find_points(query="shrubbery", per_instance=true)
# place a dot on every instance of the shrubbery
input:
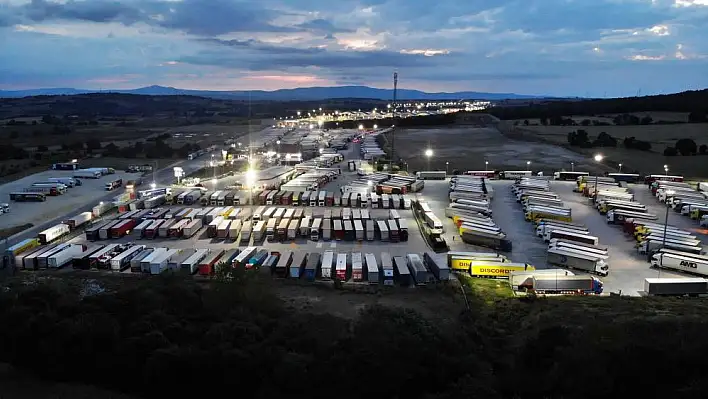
(168, 337)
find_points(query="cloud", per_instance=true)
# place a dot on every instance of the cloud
(555, 47)
(322, 25)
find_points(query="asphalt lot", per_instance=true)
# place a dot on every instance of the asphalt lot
(83, 204)
(92, 190)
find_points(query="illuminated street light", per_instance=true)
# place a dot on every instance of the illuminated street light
(376, 126)
(311, 126)
(214, 181)
(666, 168)
(620, 168)
(528, 165)
(388, 106)
(598, 158)
(486, 165)
(153, 185)
(298, 113)
(428, 154)
(321, 150)
(369, 183)
(361, 127)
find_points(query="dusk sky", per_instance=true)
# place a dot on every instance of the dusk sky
(547, 47)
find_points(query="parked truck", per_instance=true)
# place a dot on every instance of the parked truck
(675, 286)
(576, 260)
(487, 239)
(53, 233)
(112, 185)
(544, 284)
(79, 220)
(685, 262)
(431, 175)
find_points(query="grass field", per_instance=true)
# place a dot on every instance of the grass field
(651, 162)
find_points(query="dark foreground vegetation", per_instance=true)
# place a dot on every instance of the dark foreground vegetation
(168, 338)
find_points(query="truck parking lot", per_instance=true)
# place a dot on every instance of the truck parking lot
(89, 192)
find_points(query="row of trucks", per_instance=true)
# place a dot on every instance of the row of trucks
(163, 222)
(411, 269)
(432, 226)
(570, 245)
(353, 199)
(684, 199)
(469, 208)
(522, 276)
(93, 173)
(38, 191)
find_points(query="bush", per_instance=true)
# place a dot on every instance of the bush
(686, 147)
(670, 152)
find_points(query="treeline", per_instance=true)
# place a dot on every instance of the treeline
(167, 337)
(580, 138)
(694, 102)
(686, 147)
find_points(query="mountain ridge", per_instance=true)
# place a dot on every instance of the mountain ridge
(301, 93)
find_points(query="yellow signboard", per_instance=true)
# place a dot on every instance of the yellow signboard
(492, 269)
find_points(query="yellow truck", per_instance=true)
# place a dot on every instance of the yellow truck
(697, 213)
(534, 215)
(485, 268)
(461, 261)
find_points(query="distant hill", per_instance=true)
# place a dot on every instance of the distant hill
(692, 101)
(303, 93)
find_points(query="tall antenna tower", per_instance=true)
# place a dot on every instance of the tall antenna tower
(393, 124)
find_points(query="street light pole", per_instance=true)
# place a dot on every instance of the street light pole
(598, 158)
(620, 168)
(446, 169)
(486, 166)
(572, 166)
(666, 224)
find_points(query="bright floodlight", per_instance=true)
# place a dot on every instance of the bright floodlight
(100, 203)
(388, 105)
(250, 177)
(428, 153)
(311, 125)
(598, 158)
(277, 142)
(214, 181)
(528, 163)
(361, 127)
(369, 183)
(321, 150)
(74, 160)
(153, 185)
(486, 162)
(298, 113)
(376, 126)
(666, 166)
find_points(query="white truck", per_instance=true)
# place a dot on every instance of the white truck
(576, 260)
(61, 258)
(686, 263)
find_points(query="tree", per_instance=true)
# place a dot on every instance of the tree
(526, 122)
(686, 147)
(670, 152)
(93, 144)
(703, 149)
(646, 120)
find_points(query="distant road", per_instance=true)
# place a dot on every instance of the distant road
(164, 176)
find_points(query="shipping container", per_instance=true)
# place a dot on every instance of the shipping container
(283, 264)
(246, 230)
(122, 261)
(315, 229)
(53, 233)
(242, 259)
(82, 260)
(372, 268)
(235, 229)
(328, 259)
(313, 261)
(206, 266)
(401, 272)
(65, 256)
(297, 266)
(191, 264)
(386, 269)
(135, 262)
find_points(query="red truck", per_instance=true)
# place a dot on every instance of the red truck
(122, 228)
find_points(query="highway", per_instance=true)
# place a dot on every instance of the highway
(164, 176)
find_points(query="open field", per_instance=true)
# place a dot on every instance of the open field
(645, 162)
(467, 148)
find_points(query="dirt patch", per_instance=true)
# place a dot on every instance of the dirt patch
(11, 231)
(468, 148)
